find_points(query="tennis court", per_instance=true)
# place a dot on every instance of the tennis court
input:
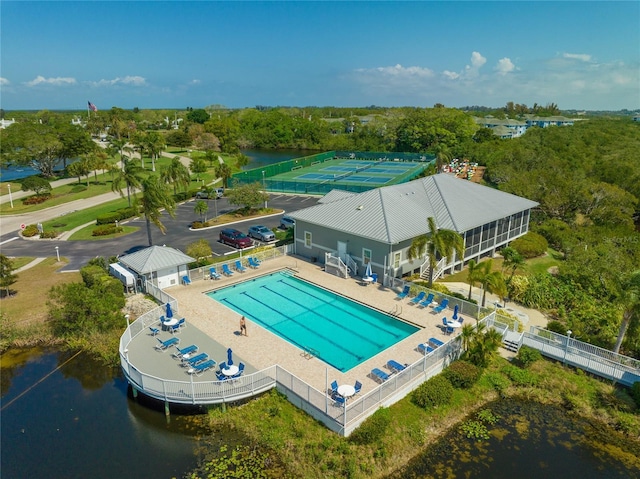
(319, 174)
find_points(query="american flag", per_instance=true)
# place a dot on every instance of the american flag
(92, 107)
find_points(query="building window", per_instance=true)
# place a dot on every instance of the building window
(307, 239)
(397, 256)
(366, 256)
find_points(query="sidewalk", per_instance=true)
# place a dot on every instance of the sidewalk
(528, 317)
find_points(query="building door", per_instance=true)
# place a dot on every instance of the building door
(342, 250)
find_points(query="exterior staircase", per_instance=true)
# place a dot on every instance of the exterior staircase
(512, 341)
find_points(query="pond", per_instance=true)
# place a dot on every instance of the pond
(69, 417)
(65, 416)
(530, 441)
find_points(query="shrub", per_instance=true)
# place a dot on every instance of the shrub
(527, 356)
(520, 377)
(78, 189)
(30, 231)
(35, 200)
(635, 392)
(530, 245)
(462, 374)
(435, 392)
(373, 429)
(108, 218)
(105, 230)
(197, 225)
(49, 234)
(557, 327)
(498, 381)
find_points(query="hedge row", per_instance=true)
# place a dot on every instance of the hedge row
(118, 215)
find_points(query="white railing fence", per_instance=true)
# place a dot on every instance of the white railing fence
(334, 265)
(351, 265)
(261, 254)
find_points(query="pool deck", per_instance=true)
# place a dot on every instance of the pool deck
(214, 328)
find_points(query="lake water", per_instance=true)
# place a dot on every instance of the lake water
(529, 441)
(69, 417)
(257, 158)
(76, 421)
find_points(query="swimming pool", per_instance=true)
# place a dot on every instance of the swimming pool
(337, 330)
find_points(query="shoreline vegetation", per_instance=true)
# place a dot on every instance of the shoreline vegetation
(278, 440)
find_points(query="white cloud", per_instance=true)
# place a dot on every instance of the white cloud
(128, 80)
(399, 71)
(4, 81)
(577, 56)
(504, 66)
(569, 82)
(477, 60)
(195, 82)
(40, 80)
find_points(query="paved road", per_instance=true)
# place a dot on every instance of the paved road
(178, 233)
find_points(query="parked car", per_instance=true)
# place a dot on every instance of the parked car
(261, 233)
(286, 222)
(235, 238)
(214, 193)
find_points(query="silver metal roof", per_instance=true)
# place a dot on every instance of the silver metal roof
(397, 213)
(155, 258)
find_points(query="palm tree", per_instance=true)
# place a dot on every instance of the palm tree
(629, 301)
(99, 162)
(473, 274)
(513, 261)
(466, 335)
(222, 170)
(155, 197)
(443, 243)
(201, 207)
(483, 346)
(155, 144)
(176, 173)
(139, 141)
(130, 175)
(492, 281)
(117, 145)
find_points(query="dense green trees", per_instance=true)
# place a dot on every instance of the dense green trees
(44, 146)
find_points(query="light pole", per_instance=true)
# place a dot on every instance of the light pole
(11, 198)
(264, 189)
(58, 254)
(566, 347)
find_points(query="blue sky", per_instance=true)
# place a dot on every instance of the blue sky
(579, 55)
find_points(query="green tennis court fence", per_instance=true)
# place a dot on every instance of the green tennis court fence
(256, 174)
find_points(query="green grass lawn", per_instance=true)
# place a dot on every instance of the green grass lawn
(85, 233)
(534, 266)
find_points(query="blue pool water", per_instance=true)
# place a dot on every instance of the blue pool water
(341, 332)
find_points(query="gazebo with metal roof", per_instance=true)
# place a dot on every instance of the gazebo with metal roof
(160, 265)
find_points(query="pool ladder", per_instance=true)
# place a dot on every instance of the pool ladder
(309, 353)
(396, 311)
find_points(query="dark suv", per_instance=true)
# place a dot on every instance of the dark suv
(235, 238)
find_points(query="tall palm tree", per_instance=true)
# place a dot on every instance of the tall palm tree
(629, 301)
(222, 170)
(437, 243)
(201, 207)
(492, 281)
(155, 197)
(130, 175)
(155, 143)
(473, 274)
(513, 261)
(177, 174)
